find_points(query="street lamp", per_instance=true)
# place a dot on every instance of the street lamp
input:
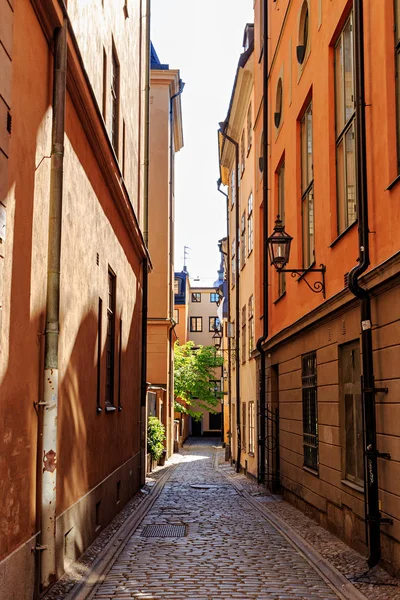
(216, 338)
(279, 251)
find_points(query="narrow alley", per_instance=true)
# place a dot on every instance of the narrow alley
(228, 549)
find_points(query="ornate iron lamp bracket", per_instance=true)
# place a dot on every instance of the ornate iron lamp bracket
(318, 286)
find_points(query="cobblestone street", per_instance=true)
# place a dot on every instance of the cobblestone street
(230, 550)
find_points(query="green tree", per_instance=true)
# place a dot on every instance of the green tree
(194, 373)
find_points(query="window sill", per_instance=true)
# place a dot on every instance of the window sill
(110, 408)
(339, 237)
(393, 184)
(354, 486)
(314, 472)
(280, 297)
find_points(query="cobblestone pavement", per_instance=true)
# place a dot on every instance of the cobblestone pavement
(230, 551)
(374, 584)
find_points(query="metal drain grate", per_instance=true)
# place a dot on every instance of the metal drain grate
(164, 531)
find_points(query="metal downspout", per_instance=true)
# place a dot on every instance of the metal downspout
(49, 404)
(237, 298)
(146, 18)
(228, 283)
(145, 265)
(262, 339)
(367, 381)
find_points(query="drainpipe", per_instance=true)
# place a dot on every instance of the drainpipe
(49, 403)
(143, 388)
(228, 283)
(262, 339)
(237, 295)
(145, 264)
(146, 18)
(367, 382)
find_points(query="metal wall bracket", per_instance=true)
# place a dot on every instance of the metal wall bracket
(377, 454)
(383, 520)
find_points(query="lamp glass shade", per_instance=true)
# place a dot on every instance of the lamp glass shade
(279, 246)
(216, 338)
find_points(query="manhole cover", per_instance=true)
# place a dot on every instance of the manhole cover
(164, 531)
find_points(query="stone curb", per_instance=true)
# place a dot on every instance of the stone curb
(88, 585)
(342, 586)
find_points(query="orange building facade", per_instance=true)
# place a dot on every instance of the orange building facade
(335, 186)
(70, 158)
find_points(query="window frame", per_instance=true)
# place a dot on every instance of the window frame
(196, 295)
(250, 308)
(110, 337)
(196, 320)
(176, 315)
(307, 187)
(215, 326)
(233, 264)
(341, 134)
(216, 297)
(249, 128)
(309, 390)
(281, 212)
(251, 428)
(243, 333)
(250, 232)
(243, 240)
(115, 85)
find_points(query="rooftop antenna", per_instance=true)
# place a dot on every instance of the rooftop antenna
(185, 255)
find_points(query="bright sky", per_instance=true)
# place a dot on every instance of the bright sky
(203, 40)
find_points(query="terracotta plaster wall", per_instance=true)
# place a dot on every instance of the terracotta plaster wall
(91, 226)
(315, 81)
(109, 28)
(24, 276)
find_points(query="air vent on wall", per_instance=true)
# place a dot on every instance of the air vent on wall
(343, 327)
(346, 279)
(97, 259)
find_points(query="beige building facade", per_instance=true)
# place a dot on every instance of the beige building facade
(166, 138)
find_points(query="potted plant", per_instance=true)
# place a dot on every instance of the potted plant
(155, 439)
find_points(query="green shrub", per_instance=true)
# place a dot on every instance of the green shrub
(155, 437)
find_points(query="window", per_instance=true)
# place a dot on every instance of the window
(303, 34)
(281, 213)
(244, 321)
(233, 263)
(114, 100)
(242, 153)
(310, 417)
(250, 224)
(213, 323)
(176, 315)
(110, 343)
(251, 325)
(345, 127)
(244, 425)
(233, 187)
(278, 104)
(251, 427)
(196, 324)
(176, 286)
(233, 346)
(196, 297)
(214, 297)
(249, 128)
(243, 241)
(99, 346)
(215, 386)
(397, 40)
(119, 362)
(350, 384)
(307, 188)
